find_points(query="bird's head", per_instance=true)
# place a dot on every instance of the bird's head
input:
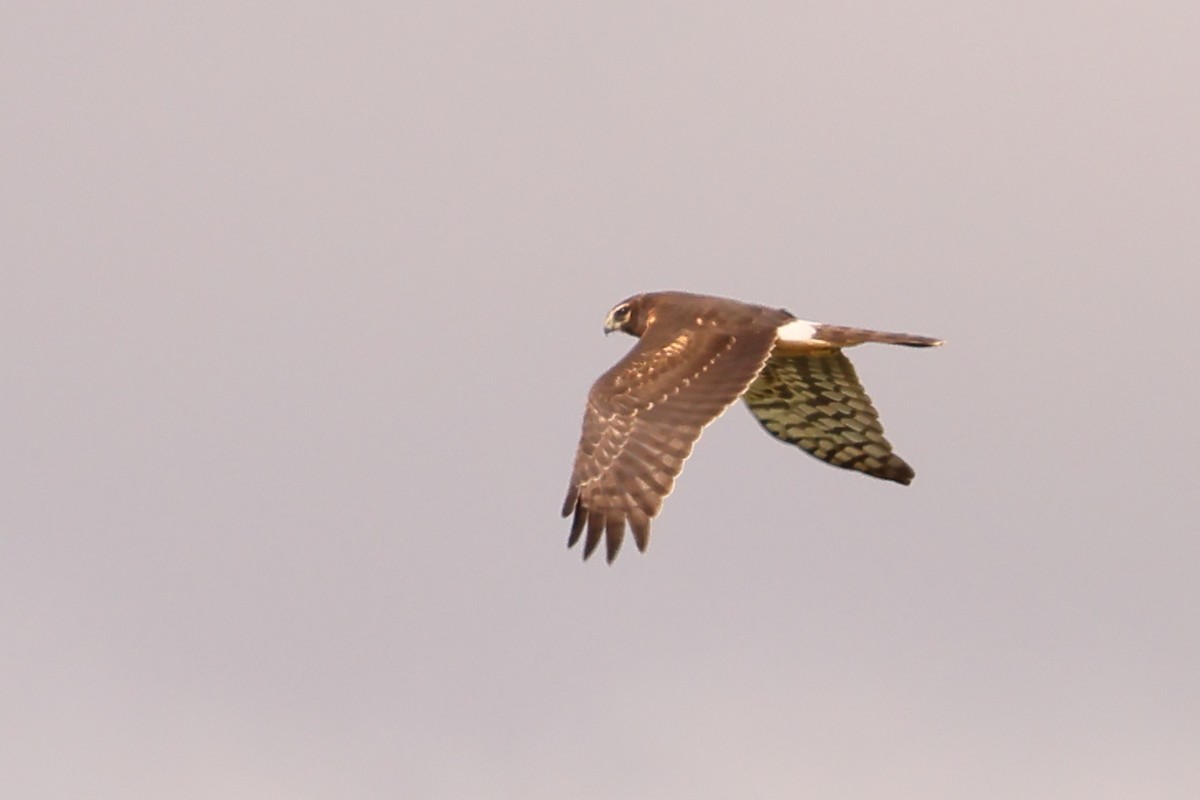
(629, 316)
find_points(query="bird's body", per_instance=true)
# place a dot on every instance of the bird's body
(696, 355)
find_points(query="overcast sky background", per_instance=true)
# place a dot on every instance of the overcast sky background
(300, 303)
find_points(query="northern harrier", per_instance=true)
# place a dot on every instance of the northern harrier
(695, 356)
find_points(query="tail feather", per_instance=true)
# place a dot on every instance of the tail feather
(844, 336)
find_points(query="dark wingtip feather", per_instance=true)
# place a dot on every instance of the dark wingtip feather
(889, 468)
(577, 524)
(641, 532)
(572, 498)
(639, 523)
(614, 534)
(595, 529)
(899, 471)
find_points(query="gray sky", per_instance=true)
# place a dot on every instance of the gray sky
(300, 305)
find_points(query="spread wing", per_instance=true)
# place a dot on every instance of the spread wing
(817, 403)
(643, 416)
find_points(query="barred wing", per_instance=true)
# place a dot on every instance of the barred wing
(817, 403)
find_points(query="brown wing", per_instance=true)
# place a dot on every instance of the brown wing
(643, 416)
(816, 403)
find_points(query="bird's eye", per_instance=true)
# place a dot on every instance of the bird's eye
(621, 313)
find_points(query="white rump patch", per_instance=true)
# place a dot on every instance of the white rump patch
(797, 331)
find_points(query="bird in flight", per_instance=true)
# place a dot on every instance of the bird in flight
(695, 356)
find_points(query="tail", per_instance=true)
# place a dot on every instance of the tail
(843, 336)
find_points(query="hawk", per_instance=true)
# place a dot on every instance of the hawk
(694, 357)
